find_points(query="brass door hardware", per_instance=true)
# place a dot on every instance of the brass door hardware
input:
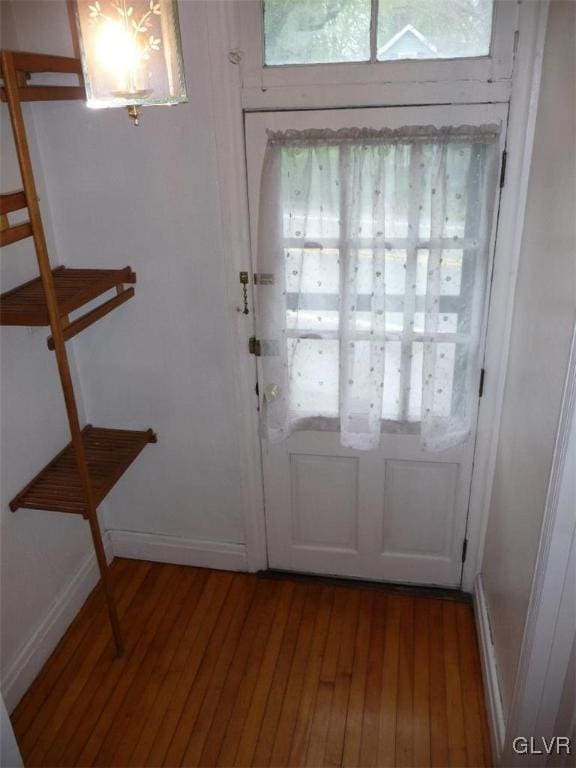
(244, 281)
(254, 346)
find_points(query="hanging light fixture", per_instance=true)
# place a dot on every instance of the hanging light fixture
(131, 53)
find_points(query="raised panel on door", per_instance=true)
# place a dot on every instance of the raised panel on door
(418, 513)
(421, 529)
(318, 494)
(324, 492)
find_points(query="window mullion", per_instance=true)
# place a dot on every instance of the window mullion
(410, 279)
(374, 31)
(344, 235)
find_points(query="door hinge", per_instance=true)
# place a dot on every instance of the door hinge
(481, 385)
(464, 550)
(254, 346)
(263, 278)
(503, 168)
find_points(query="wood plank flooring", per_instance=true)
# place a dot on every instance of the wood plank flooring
(228, 669)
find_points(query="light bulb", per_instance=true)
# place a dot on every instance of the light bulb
(119, 53)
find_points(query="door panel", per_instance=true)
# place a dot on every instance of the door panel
(396, 513)
(424, 491)
(324, 501)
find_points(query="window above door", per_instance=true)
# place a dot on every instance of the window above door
(330, 53)
(332, 31)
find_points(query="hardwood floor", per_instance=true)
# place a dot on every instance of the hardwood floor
(230, 669)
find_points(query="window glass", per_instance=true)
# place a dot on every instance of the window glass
(329, 31)
(309, 177)
(314, 382)
(391, 392)
(433, 29)
(316, 31)
(395, 226)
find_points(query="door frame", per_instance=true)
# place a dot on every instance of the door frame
(230, 101)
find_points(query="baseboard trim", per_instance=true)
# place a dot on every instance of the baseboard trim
(173, 549)
(20, 673)
(492, 693)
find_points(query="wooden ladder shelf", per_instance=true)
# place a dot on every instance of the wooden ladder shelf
(80, 476)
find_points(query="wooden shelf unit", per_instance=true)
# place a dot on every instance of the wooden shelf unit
(26, 304)
(58, 487)
(79, 477)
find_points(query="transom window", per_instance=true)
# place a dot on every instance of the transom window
(339, 31)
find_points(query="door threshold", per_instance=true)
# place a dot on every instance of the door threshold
(413, 590)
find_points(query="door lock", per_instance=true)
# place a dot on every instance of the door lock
(244, 282)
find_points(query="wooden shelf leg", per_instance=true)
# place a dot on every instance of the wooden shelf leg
(106, 582)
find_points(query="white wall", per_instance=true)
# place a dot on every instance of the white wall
(543, 321)
(566, 717)
(40, 552)
(122, 195)
(147, 197)
(10, 756)
(544, 702)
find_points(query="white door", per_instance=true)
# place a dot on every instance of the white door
(397, 510)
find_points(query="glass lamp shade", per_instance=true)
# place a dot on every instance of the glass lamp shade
(131, 52)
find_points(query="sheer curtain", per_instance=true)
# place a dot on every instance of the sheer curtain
(372, 260)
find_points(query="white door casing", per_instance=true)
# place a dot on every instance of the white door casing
(395, 514)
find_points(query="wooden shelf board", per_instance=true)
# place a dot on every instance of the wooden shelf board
(14, 234)
(26, 304)
(109, 453)
(31, 63)
(25, 61)
(12, 201)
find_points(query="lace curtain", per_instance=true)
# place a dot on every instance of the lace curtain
(372, 259)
